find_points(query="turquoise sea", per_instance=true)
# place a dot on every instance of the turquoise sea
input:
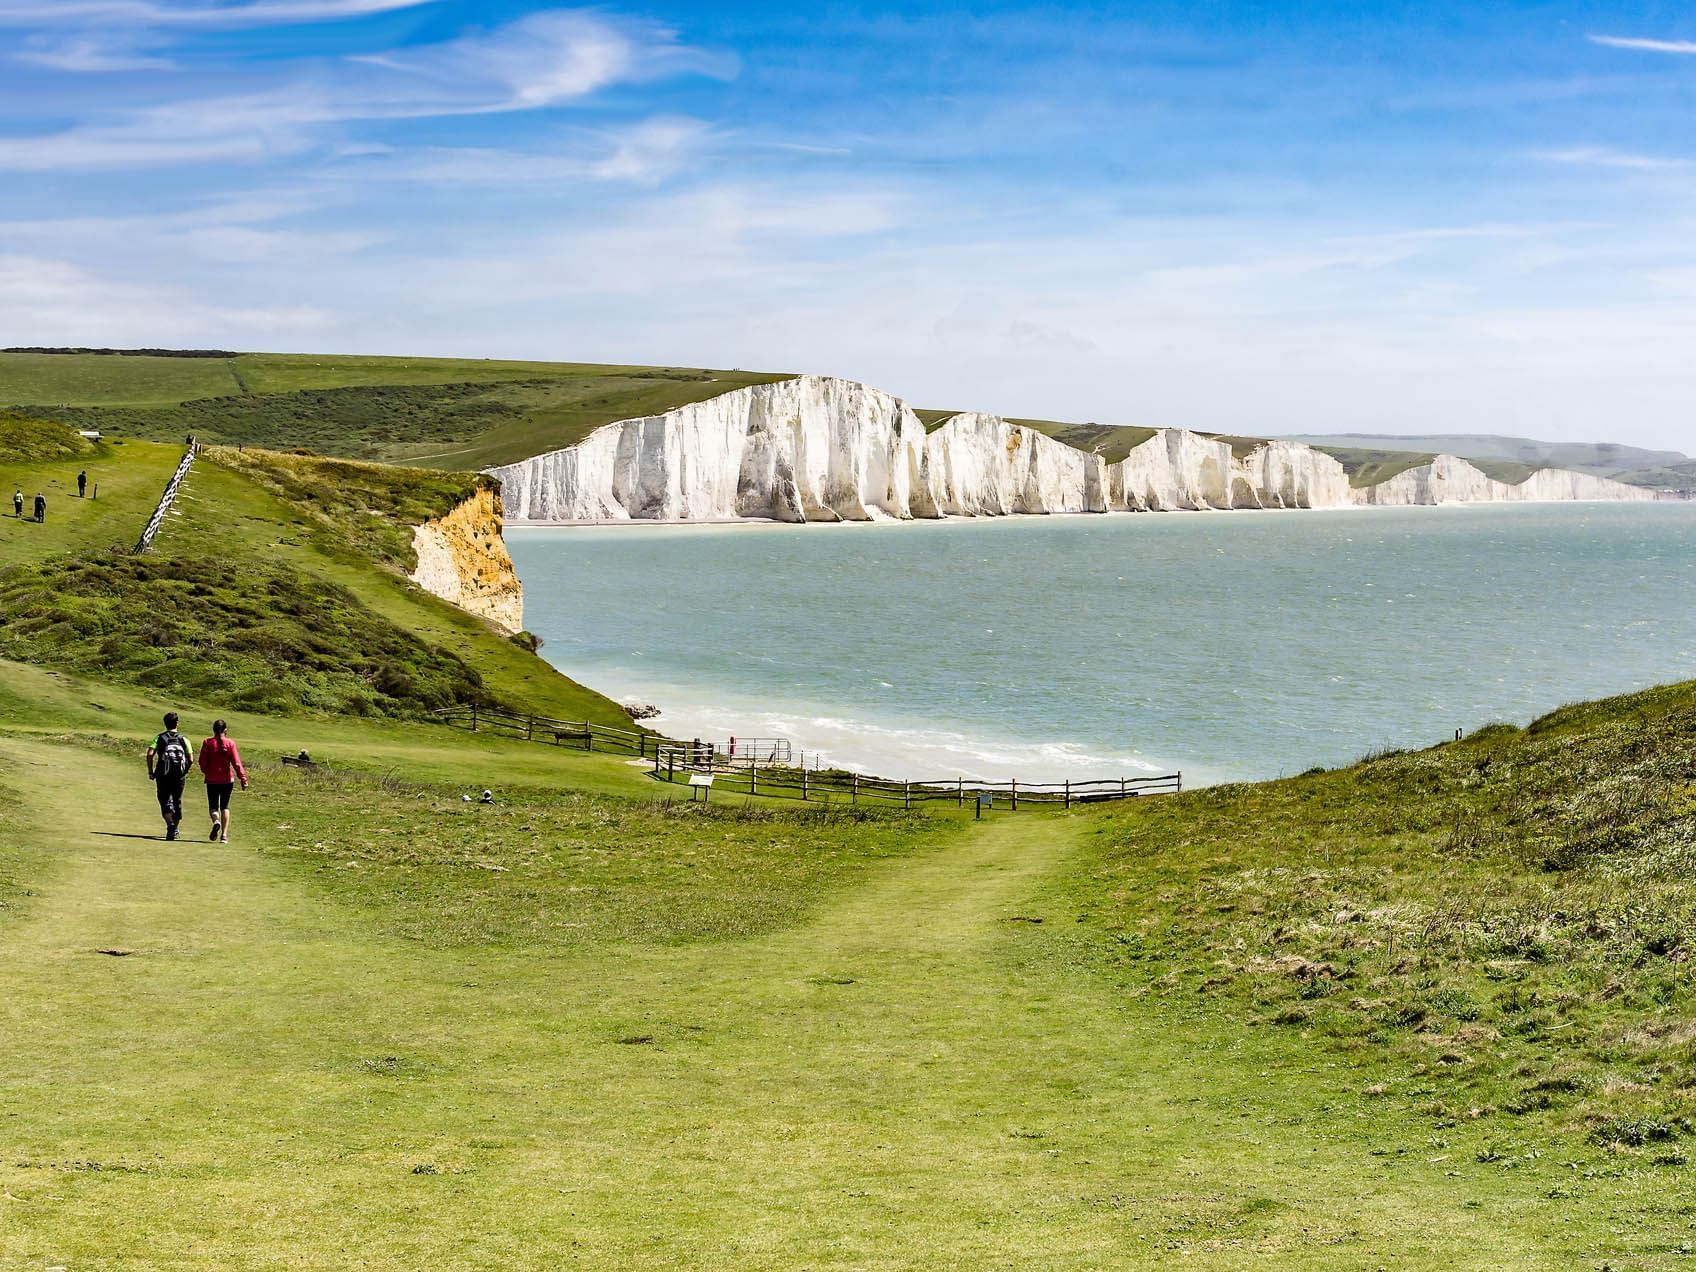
(1228, 645)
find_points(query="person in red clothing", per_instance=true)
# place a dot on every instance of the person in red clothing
(221, 763)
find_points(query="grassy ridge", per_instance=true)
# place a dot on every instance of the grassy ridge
(1497, 929)
(438, 412)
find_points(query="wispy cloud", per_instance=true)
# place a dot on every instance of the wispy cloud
(545, 60)
(1604, 157)
(93, 52)
(150, 13)
(642, 154)
(551, 57)
(1644, 45)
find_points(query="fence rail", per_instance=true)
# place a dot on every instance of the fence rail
(762, 766)
(674, 762)
(157, 520)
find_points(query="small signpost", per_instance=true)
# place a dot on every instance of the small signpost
(985, 800)
(702, 782)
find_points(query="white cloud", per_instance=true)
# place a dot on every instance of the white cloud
(642, 154)
(1603, 157)
(545, 59)
(539, 61)
(88, 52)
(50, 301)
(148, 13)
(1644, 45)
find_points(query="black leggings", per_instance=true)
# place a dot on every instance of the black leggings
(218, 796)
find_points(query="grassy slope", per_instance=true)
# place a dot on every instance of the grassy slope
(437, 412)
(589, 1028)
(1492, 933)
(225, 512)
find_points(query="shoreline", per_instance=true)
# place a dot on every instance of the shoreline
(516, 523)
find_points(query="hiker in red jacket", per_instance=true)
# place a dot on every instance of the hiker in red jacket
(221, 763)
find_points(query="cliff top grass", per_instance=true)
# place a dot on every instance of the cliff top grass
(520, 1033)
(434, 412)
(1374, 467)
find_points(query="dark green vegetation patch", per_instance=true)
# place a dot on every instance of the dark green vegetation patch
(438, 412)
(24, 438)
(242, 634)
(1502, 926)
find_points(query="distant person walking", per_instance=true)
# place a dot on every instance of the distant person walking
(82, 484)
(168, 765)
(18, 504)
(40, 507)
(221, 763)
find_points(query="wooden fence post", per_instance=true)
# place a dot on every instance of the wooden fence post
(474, 717)
(1180, 783)
(906, 794)
(753, 777)
(960, 793)
(854, 790)
(803, 779)
(1068, 792)
(1121, 788)
(1015, 782)
(530, 728)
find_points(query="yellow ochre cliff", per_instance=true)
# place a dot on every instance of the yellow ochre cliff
(462, 558)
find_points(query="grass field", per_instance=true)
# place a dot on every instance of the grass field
(584, 1026)
(436, 412)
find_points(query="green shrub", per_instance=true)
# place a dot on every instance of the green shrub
(258, 636)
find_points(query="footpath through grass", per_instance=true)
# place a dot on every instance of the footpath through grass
(589, 1029)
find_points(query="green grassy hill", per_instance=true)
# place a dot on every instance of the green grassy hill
(1605, 459)
(432, 412)
(279, 580)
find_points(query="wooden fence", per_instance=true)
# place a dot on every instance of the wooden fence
(157, 520)
(678, 763)
(747, 767)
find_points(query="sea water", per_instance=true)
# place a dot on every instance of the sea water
(1226, 645)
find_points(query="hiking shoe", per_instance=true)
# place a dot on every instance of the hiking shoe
(171, 831)
(216, 831)
(223, 839)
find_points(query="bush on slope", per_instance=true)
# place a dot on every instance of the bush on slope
(244, 634)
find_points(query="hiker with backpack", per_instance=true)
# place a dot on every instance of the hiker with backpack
(221, 763)
(168, 764)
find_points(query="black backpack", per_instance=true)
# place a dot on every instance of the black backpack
(173, 755)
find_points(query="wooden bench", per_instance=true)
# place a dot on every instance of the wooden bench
(562, 736)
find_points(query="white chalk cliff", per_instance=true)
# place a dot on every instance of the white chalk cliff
(1450, 479)
(821, 449)
(980, 465)
(808, 449)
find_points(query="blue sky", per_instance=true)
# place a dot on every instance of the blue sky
(1256, 217)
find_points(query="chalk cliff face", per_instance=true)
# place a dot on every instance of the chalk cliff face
(1450, 479)
(980, 465)
(809, 449)
(1175, 469)
(463, 559)
(1294, 475)
(822, 449)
